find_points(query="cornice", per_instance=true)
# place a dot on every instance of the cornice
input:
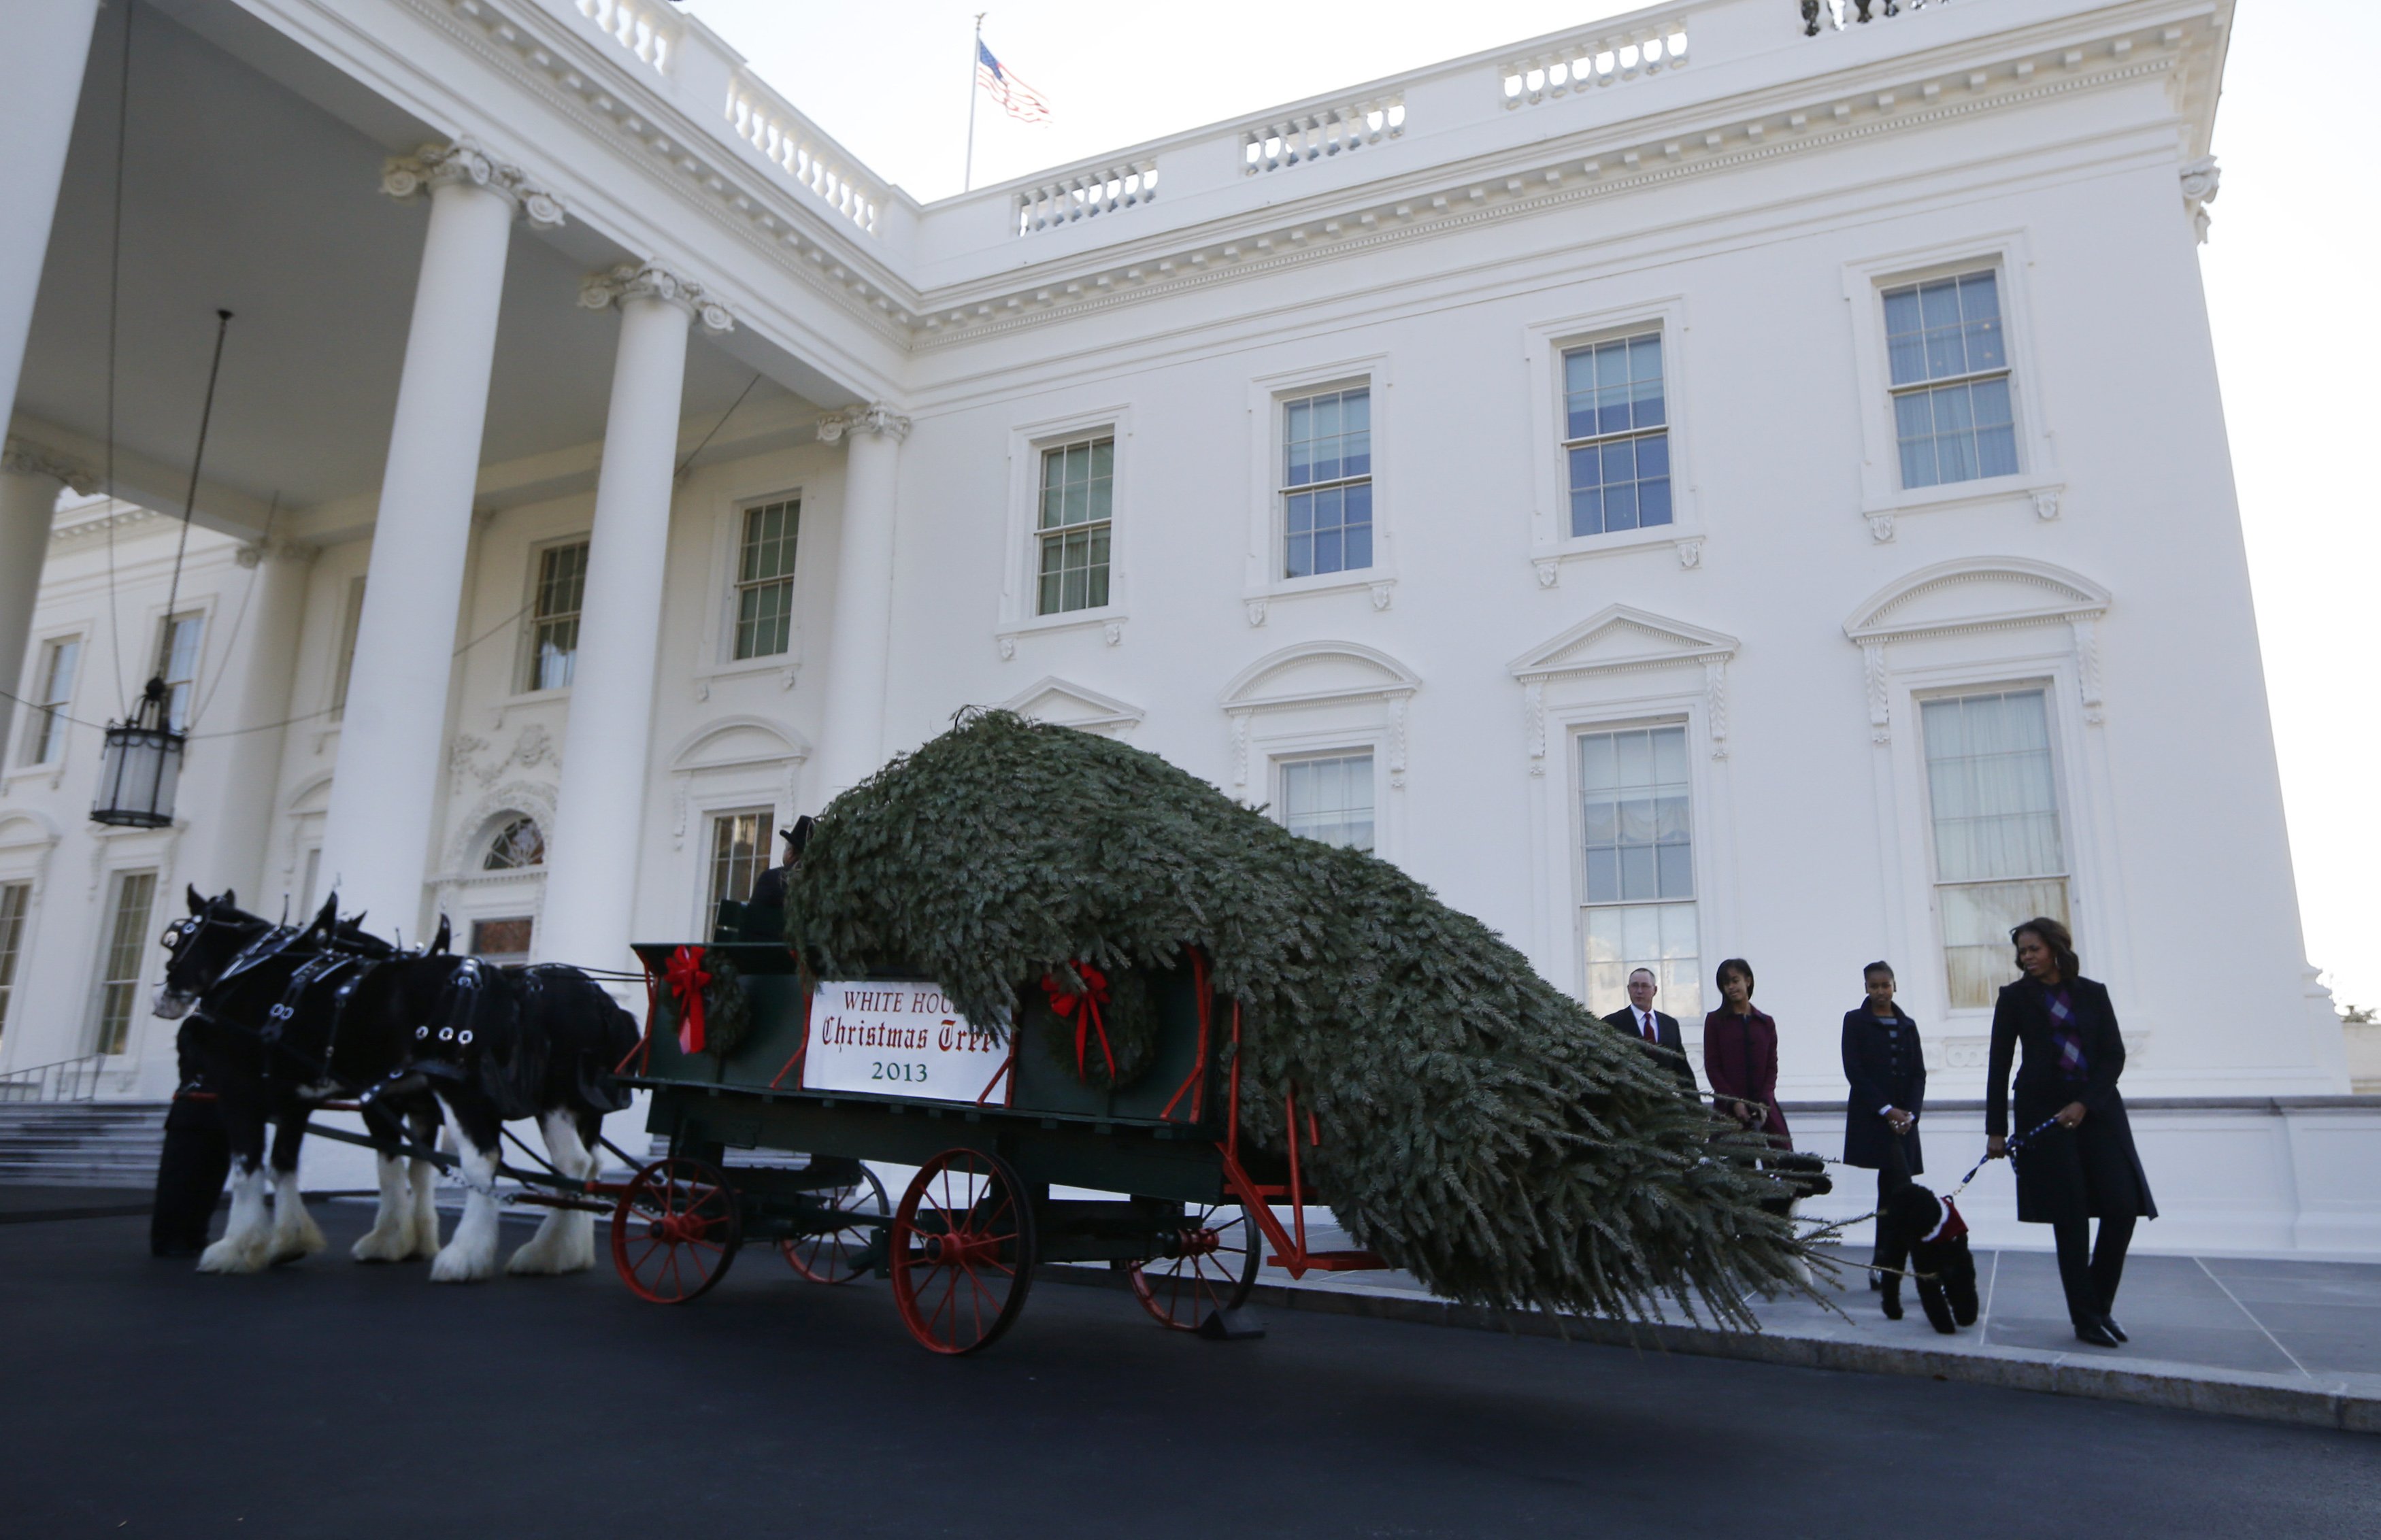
(615, 286)
(1500, 194)
(597, 94)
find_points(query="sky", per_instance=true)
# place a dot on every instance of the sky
(2294, 216)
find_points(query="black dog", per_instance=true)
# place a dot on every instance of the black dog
(1925, 1234)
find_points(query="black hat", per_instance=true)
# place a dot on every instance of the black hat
(799, 835)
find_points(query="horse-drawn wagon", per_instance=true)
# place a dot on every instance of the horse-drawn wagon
(1125, 1086)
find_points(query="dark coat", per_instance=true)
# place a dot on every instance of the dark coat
(1886, 1067)
(769, 888)
(1671, 1055)
(1740, 1061)
(2091, 1170)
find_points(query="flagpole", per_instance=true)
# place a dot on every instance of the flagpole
(975, 61)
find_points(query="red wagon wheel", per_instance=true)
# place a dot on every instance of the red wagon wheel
(676, 1231)
(1214, 1268)
(963, 1249)
(832, 1256)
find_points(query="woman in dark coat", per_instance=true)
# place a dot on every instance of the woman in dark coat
(1740, 1056)
(2083, 1166)
(1888, 1073)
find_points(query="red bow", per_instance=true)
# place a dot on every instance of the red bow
(687, 978)
(1063, 1002)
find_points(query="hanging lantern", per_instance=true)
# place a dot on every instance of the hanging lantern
(140, 766)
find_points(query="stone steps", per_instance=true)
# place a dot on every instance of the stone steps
(82, 1144)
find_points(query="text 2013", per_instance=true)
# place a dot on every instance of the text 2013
(914, 1073)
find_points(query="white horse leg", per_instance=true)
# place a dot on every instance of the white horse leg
(471, 1255)
(424, 1234)
(564, 1243)
(246, 1246)
(391, 1237)
(295, 1234)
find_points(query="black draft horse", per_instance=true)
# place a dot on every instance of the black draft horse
(297, 1017)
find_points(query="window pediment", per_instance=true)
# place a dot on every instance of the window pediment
(1319, 671)
(1977, 593)
(737, 741)
(1619, 637)
(1067, 704)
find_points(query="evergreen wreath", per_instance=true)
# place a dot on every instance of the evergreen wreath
(1128, 1021)
(1479, 1127)
(726, 1013)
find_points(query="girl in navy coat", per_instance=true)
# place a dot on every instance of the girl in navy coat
(1887, 1072)
(2083, 1166)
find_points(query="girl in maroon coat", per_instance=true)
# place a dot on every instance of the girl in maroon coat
(1740, 1056)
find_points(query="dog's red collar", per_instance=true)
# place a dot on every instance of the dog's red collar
(1949, 1228)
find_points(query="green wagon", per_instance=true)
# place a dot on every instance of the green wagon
(881, 1069)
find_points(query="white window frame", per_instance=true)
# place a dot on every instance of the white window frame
(94, 1015)
(1543, 344)
(706, 860)
(2038, 480)
(1581, 724)
(1281, 755)
(718, 658)
(201, 605)
(2049, 689)
(1021, 543)
(1267, 522)
(525, 687)
(22, 716)
(14, 960)
(734, 593)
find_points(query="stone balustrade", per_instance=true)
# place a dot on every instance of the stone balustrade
(757, 115)
(1321, 132)
(1586, 60)
(1086, 193)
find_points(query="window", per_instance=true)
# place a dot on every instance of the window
(347, 627)
(179, 646)
(1949, 363)
(15, 898)
(1078, 506)
(1617, 437)
(739, 852)
(1327, 483)
(1329, 799)
(519, 843)
(554, 623)
(127, 946)
(764, 579)
(501, 941)
(45, 724)
(1999, 858)
(1638, 838)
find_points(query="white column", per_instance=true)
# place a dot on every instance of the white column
(41, 79)
(242, 773)
(31, 480)
(852, 734)
(591, 862)
(377, 839)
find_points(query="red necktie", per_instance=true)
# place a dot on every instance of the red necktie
(1646, 1024)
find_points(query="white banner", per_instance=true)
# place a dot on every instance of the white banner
(884, 1039)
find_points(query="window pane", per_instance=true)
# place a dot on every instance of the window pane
(1621, 938)
(1329, 799)
(128, 943)
(2000, 856)
(740, 847)
(1636, 824)
(15, 898)
(1977, 956)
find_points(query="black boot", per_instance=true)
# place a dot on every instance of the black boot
(2095, 1333)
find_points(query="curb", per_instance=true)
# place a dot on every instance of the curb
(2177, 1387)
(94, 1211)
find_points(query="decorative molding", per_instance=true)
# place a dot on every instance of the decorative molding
(437, 166)
(2087, 631)
(2201, 179)
(616, 286)
(533, 798)
(1522, 190)
(2028, 593)
(1241, 745)
(1715, 704)
(1398, 738)
(1690, 553)
(1008, 649)
(1548, 569)
(1619, 638)
(1335, 673)
(532, 747)
(1074, 705)
(21, 456)
(253, 554)
(1382, 592)
(1880, 698)
(1113, 633)
(873, 418)
(1880, 527)
(1256, 612)
(2045, 504)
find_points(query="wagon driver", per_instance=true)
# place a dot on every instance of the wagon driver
(769, 887)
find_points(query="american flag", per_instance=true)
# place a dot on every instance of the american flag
(1017, 99)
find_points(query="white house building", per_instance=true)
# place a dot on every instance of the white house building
(1701, 486)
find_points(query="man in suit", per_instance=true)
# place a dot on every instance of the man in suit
(1658, 1033)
